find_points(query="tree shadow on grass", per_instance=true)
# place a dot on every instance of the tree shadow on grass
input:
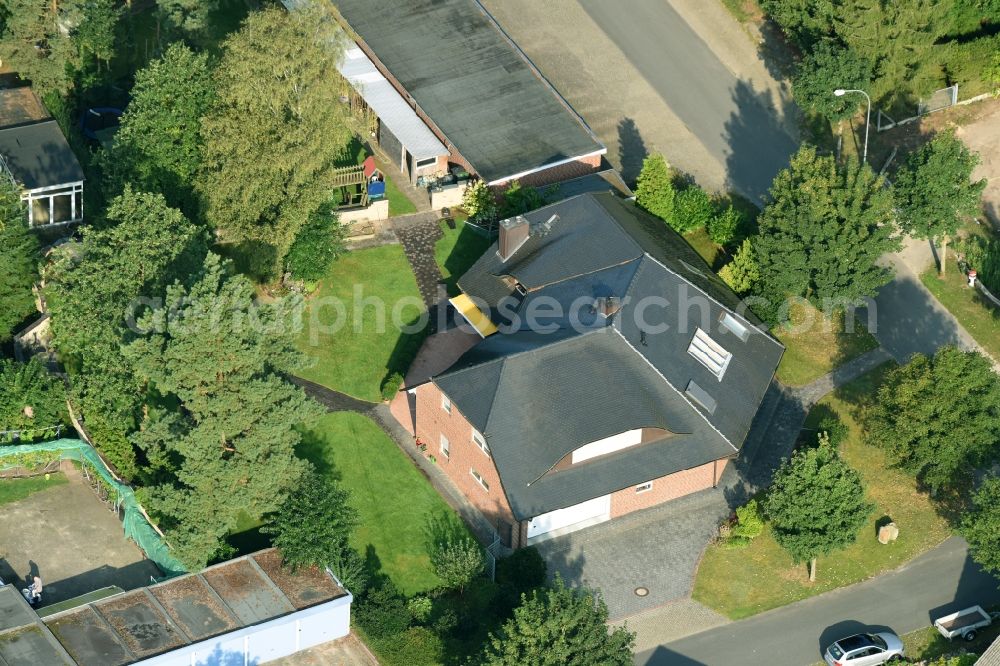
(255, 259)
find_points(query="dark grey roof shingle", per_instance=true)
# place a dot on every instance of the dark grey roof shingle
(538, 396)
(39, 156)
(472, 83)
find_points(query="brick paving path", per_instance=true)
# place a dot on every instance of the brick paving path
(418, 234)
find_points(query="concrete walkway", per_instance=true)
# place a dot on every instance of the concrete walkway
(908, 319)
(936, 583)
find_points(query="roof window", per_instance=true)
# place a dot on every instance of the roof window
(735, 326)
(711, 354)
(700, 396)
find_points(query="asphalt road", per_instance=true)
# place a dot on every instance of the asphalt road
(736, 125)
(938, 582)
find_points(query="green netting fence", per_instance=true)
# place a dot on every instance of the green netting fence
(137, 527)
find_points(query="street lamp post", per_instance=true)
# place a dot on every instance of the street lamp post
(840, 92)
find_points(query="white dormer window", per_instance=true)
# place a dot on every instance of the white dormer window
(710, 353)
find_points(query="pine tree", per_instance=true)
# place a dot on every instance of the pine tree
(816, 504)
(935, 192)
(742, 273)
(556, 626)
(219, 355)
(938, 418)
(654, 191)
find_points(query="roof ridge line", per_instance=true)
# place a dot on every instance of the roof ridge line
(577, 276)
(680, 393)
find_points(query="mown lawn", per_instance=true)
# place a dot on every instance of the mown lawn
(395, 502)
(352, 323)
(12, 490)
(457, 250)
(743, 582)
(969, 306)
(815, 345)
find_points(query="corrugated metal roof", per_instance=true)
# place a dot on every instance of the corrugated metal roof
(389, 105)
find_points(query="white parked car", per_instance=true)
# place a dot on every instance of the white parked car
(873, 649)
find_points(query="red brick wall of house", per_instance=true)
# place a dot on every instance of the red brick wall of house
(432, 422)
(667, 488)
(557, 174)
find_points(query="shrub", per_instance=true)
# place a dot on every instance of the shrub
(519, 200)
(349, 567)
(522, 570)
(391, 384)
(412, 647)
(420, 608)
(654, 190)
(383, 612)
(692, 210)
(835, 429)
(748, 526)
(319, 242)
(457, 561)
(723, 225)
(31, 398)
(480, 203)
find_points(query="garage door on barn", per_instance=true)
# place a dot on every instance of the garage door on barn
(570, 519)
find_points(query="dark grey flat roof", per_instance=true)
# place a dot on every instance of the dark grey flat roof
(39, 156)
(473, 84)
(537, 396)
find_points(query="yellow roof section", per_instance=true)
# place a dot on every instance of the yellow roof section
(473, 315)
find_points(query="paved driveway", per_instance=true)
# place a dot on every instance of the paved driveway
(936, 583)
(657, 549)
(678, 77)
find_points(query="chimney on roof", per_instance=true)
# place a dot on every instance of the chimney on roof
(606, 306)
(513, 233)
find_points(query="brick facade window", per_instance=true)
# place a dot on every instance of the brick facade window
(478, 477)
(446, 403)
(480, 441)
(644, 487)
(445, 447)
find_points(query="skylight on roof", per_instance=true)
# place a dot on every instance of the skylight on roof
(735, 326)
(700, 396)
(711, 354)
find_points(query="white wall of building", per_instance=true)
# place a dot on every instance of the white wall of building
(608, 445)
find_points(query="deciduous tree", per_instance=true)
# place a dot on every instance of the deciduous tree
(18, 259)
(826, 67)
(824, 230)
(188, 17)
(935, 192)
(276, 127)
(457, 561)
(939, 417)
(981, 525)
(35, 46)
(555, 626)
(816, 504)
(30, 397)
(318, 244)
(158, 147)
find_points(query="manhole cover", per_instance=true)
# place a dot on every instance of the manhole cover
(641, 591)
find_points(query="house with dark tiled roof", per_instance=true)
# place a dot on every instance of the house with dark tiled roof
(616, 372)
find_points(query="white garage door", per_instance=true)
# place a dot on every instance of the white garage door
(571, 518)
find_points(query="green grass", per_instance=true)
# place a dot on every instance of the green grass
(356, 357)
(394, 500)
(703, 245)
(399, 203)
(13, 490)
(969, 306)
(742, 582)
(814, 349)
(457, 250)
